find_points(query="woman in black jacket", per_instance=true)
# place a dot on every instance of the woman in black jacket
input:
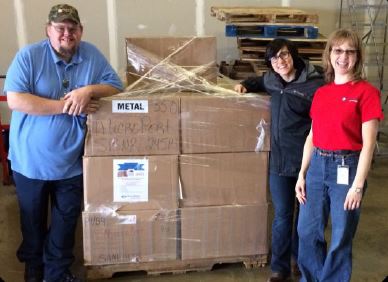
(291, 82)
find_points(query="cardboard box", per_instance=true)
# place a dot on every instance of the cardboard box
(230, 123)
(223, 179)
(167, 76)
(224, 231)
(130, 183)
(129, 237)
(125, 125)
(168, 58)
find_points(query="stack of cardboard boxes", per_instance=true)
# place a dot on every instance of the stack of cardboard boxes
(131, 181)
(172, 177)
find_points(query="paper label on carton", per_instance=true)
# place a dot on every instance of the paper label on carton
(130, 106)
(127, 219)
(130, 180)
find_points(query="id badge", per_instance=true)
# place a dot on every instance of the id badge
(343, 174)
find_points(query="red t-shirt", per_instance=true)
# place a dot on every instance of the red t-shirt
(338, 111)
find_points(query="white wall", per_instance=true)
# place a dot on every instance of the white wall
(22, 22)
(108, 22)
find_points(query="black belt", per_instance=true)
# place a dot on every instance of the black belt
(336, 153)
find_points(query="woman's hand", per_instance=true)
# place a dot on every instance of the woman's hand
(239, 88)
(300, 190)
(353, 199)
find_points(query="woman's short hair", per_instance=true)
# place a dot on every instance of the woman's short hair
(337, 38)
(274, 47)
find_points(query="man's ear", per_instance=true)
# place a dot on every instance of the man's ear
(46, 28)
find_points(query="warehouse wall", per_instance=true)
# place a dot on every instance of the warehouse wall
(108, 22)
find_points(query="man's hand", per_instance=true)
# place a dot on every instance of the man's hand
(77, 101)
(92, 107)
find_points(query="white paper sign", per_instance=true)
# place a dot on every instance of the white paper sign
(130, 180)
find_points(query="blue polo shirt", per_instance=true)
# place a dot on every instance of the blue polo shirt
(50, 147)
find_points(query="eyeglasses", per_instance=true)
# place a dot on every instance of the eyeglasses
(349, 52)
(282, 55)
(62, 28)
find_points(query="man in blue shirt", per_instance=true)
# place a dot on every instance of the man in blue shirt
(51, 86)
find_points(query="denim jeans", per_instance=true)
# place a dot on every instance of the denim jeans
(48, 246)
(284, 243)
(326, 198)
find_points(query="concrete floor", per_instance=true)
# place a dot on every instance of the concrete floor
(370, 245)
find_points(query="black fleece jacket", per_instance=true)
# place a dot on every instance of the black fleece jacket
(290, 109)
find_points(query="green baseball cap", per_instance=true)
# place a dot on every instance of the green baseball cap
(61, 12)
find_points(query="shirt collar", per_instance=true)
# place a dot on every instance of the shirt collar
(76, 59)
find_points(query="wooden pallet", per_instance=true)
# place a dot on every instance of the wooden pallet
(253, 49)
(172, 267)
(241, 70)
(263, 14)
(271, 30)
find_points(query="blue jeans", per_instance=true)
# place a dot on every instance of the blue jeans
(326, 198)
(48, 247)
(284, 243)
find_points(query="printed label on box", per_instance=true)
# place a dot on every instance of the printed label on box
(130, 180)
(129, 106)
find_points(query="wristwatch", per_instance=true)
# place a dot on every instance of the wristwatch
(358, 190)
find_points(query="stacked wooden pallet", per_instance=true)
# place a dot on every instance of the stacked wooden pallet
(267, 22)
(255, 27)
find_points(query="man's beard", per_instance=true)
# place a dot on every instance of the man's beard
(67, 52)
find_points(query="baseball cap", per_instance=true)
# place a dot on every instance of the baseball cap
(61, 12)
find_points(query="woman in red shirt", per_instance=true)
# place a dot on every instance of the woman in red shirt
(336, 159)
